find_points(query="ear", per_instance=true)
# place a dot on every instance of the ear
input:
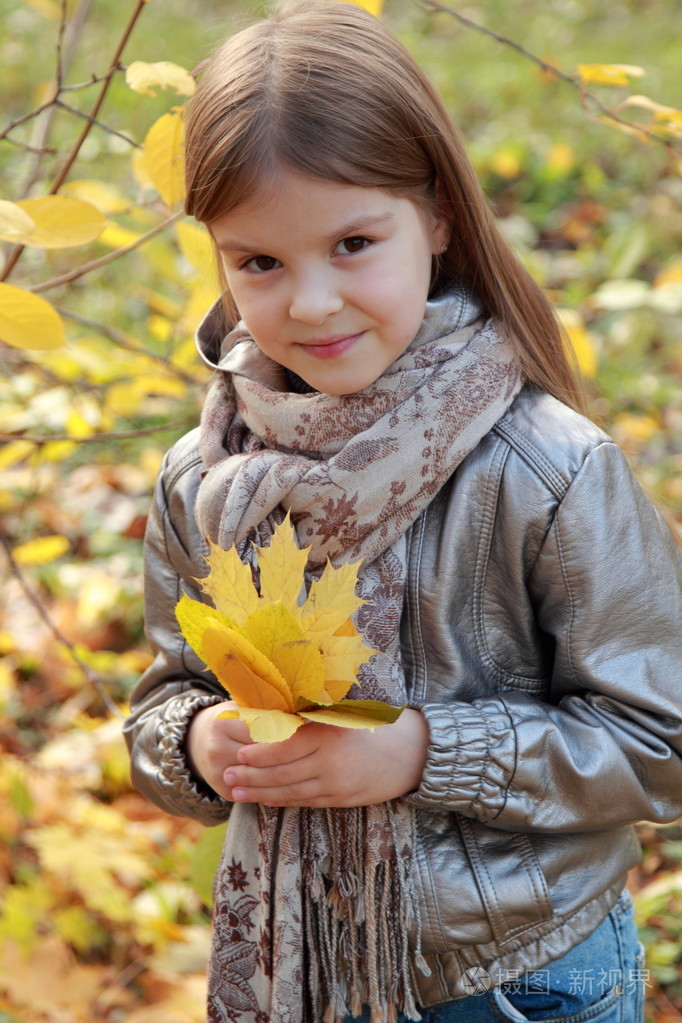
(441, 227)
(441, 236)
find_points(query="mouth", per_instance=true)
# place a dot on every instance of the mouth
(330, 347)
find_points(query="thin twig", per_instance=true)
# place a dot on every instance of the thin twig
(585, 97)
(95, 123)
(69, 34)
(95, 264)
(115, 62)
(34, 150)
(123, 341)
(26, 117)
(120, 982)
(93, 80)
(93, 438)
(92, 677)
(63, 18)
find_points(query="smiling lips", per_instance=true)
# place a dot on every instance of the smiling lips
(330, 348)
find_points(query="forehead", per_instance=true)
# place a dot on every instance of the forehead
(296, 206)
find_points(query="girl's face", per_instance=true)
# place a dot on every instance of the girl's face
(330, 279)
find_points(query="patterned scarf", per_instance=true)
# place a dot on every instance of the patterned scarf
(315, 910)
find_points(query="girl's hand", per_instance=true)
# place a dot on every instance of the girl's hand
(212, 745)
(321, 765)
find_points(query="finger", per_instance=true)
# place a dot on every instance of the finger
(304, 794)
(272, 754)
(279, 775)
(222, 790)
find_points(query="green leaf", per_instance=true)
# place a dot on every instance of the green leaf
(205, 861)
(355, 714)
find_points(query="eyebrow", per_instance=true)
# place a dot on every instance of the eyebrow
(348, 230)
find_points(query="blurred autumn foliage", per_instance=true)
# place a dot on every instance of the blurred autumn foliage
(103, 900)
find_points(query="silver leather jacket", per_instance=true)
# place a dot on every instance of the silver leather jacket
(542, 637)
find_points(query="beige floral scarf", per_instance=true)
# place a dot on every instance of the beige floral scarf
(315, 911)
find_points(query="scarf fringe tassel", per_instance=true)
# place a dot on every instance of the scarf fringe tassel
(359, 917)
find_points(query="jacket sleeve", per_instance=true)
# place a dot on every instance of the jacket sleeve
(175, 686)
(603, 745)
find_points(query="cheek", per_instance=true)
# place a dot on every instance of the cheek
(400, 294)
(254, 308)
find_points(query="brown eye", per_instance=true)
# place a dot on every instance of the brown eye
(356, 244)
(260, 264)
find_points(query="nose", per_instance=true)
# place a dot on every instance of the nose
(314, 297)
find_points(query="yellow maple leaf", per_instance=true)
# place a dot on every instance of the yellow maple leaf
(229, 584)
(282, 662)
(281, 566)
(253, 679)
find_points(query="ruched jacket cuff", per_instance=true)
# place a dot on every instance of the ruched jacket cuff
(190, 795)
(470, 760)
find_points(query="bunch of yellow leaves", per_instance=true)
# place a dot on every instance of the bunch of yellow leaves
(282, 663)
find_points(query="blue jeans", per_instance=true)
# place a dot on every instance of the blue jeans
(601, 980)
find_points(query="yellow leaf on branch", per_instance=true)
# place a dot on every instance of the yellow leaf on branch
(143, 77)
(114, 236)
(609, 74)
(28, 321)
(61, 222)
(581, 342)
(41, 551)
(282, 662)
(672, 274)
(163, 156)
(105, 196)
(195, 244)
(15, 223)
(373, 6)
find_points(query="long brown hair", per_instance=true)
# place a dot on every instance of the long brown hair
(324, 89)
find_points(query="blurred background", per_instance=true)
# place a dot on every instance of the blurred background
(103, 900)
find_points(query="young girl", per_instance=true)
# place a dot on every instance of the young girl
(388, 373)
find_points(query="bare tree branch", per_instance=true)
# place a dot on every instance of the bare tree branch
(80, 86)
(95, 264)
(34, 150)
(94, 438)
(120, 339)
(62, 174)
(106, 82)
(94, 122)
(69, 33)
(587, 99)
